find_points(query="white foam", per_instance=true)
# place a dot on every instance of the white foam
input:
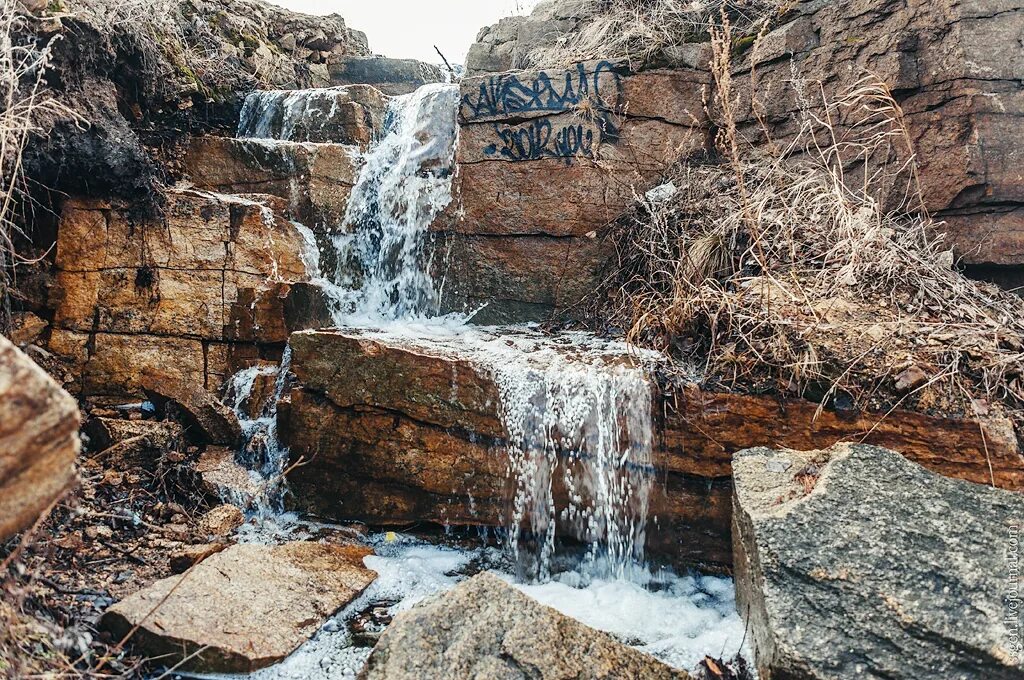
(692, 617)
(688, 618)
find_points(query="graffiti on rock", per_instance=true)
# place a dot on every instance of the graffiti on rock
(506, 95)
(595, 90)
(539, 139)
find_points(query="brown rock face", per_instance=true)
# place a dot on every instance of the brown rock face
(314, 178)
(954, 68)
(396, 431)
(703, 429)
(147, 304)
(38, 440)
(485, 628)
(243, 608)
(546, 160)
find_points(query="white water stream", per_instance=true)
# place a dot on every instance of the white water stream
(576, 411)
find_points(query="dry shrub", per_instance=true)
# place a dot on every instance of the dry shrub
(775, 269)
(638, 30)
(23, 64)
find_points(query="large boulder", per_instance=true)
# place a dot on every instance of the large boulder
(854, 562)
(243, 608)
(394, 429)
(38, 440)
(518, 42)
(485, 628)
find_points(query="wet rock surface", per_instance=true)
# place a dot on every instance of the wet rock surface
(485, 628)
(353, 114)
(397, 430)
(38, 440)
(855, 562)
(242, 608)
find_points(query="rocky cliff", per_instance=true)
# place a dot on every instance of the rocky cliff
(952, 68)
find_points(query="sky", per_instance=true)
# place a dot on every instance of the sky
(409, 29)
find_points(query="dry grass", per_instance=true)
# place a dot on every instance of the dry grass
(787, 275)
(23, 65)
(639, 30)
(156, 30)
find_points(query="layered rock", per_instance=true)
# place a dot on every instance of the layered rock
(314, 178)
(485, 628)
(188, 66)
(516, 42)
(38, 440)
(390, 76)
(397, 429)
(242, 608)
(146, 304)
(546, 160)
(855, 562)
(952, 68)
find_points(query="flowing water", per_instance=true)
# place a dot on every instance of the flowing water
(577, 427)
(577, 412)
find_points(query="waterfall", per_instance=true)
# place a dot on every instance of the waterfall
(578, 417)
(290, 115)
(384, 262)
(585, 425)
(261, 452)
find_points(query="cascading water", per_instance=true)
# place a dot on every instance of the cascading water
(384, 263)
(577, 414)
(289, 115)
(261, 452)
(587, 426)
(579, 425)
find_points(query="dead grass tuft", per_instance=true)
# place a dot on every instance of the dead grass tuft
(640, 30)
(773, 269)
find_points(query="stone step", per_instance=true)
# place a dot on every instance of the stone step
(344, 115)
(314, 178)
(404, 426)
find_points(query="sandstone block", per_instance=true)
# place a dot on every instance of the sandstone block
(244, 608)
